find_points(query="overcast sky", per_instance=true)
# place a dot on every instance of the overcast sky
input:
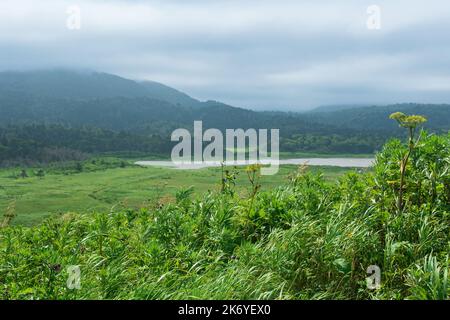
(259, 54)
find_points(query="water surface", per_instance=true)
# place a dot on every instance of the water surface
(332, 162)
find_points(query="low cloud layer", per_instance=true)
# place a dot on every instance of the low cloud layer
(258, 54)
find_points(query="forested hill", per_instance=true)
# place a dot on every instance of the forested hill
(111, 102)
(80, 85)
(79, 105)
(376, 118)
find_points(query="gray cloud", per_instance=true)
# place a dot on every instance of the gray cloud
(260, 54)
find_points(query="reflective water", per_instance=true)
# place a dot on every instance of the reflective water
(333, 162)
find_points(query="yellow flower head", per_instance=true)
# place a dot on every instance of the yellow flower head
(408, 121)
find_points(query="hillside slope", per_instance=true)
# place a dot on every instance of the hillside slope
(68, 84)
(67, 105)
(376, 118)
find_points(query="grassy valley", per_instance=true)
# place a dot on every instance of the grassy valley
(100, 188)
(311, 237)
(71, 196)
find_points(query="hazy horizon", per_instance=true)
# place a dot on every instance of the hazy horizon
(286, 109)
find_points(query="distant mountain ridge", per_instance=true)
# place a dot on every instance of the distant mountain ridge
(124, 115)
(115, 103)
(34, 92)
(376, 118)
(67, 84)
(338, 107)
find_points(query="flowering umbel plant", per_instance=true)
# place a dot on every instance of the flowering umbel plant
(406, 121)
(410, 122)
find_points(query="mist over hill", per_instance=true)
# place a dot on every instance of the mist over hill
(86, 85)
(111, 102)
(99, 105)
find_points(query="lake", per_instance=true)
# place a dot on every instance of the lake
(332, 162)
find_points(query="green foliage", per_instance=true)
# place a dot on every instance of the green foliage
(40, 173)
(429, 280)
(409, 122)
(228, 180)
(34, 144)
(426, 179)
(308, 239)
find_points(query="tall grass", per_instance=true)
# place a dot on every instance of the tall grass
(308, 239)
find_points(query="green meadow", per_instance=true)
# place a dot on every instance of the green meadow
(58, 192)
